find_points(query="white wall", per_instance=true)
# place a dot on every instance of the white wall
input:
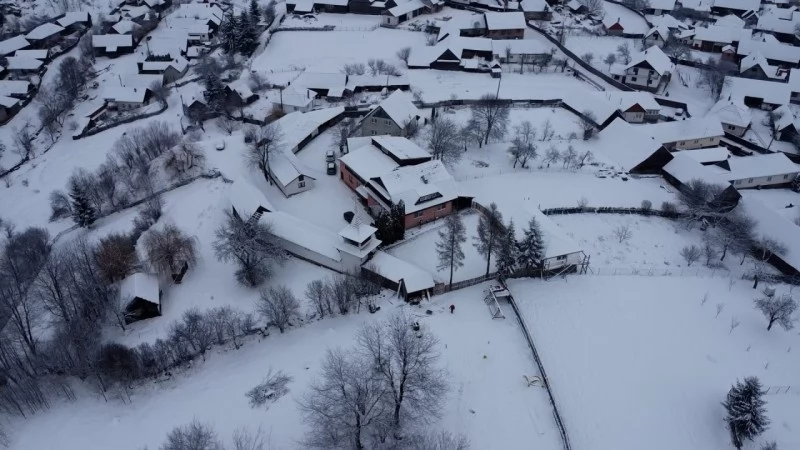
(633, 117)
(764, 181)
(571, 260)
(698, 143)
(734, 129)
(304, 253)
(295, 186)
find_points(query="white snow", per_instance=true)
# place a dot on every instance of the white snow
(139, 285)
(398, 270)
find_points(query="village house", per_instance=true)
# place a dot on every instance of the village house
(140, 14)
(171, 70)
(659, 7)
(505, 25)
(757, 171)
(289, 174)
(75, 21)
(776, 53)
(526, 51)
(296, 98)
(686, 134)
(408, 10)
(427, 190)
(19, 89)
(126, 27)
(786, 125)
(370, 157)
(376, 83)
(472, 25)
(324, 84)
(42, 54)
(782, 23)
(657, 36)
(11, 45)
(45, 35)
(120, 98)
(713, 38)
(734, 117)
(535, 10)
(396, 115)
(8, 107)
(772, 224)
(247, 202)
(647, 70)
(576, 7)
(20, 67)
(238, 94)
(141, 296)
(737, 7)
(641, 154)
(113, 45)
(756, 66)
(209, 13)
(753, 93)
(197, 30)
(635, 107)
(405, 279)
(613, 26)
(309, 6)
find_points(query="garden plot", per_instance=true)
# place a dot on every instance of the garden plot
(600, 47)
(686, 86)
(342, 22)
(329, 51)
(641, 362)
(421, 251)
(486, 359)
(654, 243)
(634, 23)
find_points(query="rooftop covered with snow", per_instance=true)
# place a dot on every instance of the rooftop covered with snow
(684, 130)
(140, 285)
(397, 270)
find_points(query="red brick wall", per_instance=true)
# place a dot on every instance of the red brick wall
(428, 215)
(348, 178)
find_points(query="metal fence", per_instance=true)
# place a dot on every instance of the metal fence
(699, 271)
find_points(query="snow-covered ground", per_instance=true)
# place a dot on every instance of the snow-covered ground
(600, 47)
(785, 201)
(421, 251)
(486, 359)
(640, 362)
(634, 23)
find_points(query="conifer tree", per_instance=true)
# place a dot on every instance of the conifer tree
(746, 412)
(532, 246)
(398, 216)
(448, 248)
(255, 12)
(228, 33)
(490, 234)
(247, 39)
(215, 92)
(508, 252)
(83, 213)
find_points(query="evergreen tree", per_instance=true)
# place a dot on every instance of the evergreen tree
(385, 228)
(490, 233)
(746, 412)
(398, 216)
(83, 213)
(448, 248)
(507, 251)
(255, 12)
(228, 33)
(215, 92)
(532, 246)
(247, 39)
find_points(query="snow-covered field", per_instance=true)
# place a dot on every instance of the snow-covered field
(640, 362)
(634, 23)
(486, 358)
(600, 47)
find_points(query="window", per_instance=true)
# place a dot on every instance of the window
(786, 177)
(633, 79)
(696, 141)
(373, 132)
(418, 214)
(442, 206)
(561, 258)
(301, 178)
(750, 180)
(428, 197)
(737, 182)
(769, 178)
(386, 122)
(301, 184)
(374, 120)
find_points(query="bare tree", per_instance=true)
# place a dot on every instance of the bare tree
(243, 439)
(344, 130)
(523, 147)
(714, 75)
(674, 48)
(278, 306)
(354, 69)
(403, 54)
(448, 247)
(623, 233)
(624, 52)
(346, 407)
(442, 140)
(271, 388)
(437, 441)
(552, 155)
(228, 124)
(169, 249)
(491, 115)
(593, 7)
(407, 361)
(160, 92)
(194, 329)
(767, 247)
(610, 59)
(251, 246)
(588, 57)
(193, 436)
(589, 123)
(316, 295)
(23, 140)
(490, 231)
(778, 309)
(115, 257)
(267, 140)
(702, 200)
(691, 253)
(184, 160)
(60, 205)
(569, 156)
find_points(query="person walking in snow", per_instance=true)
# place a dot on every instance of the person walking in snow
(452, 308)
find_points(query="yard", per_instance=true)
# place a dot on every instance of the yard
(486, 359)
(634, 23)
(641, 362)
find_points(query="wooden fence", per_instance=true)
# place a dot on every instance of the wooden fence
(442, 288)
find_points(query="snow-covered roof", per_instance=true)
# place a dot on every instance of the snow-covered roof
(668, 21)
(125, 26)
(721, 34)
(740, 5)
(661, 30)
(247, 199)
(241, 89)
(399, 107)
(610, 21)
(698, 5)
(731, 21)
(776, 20)
(357, 231)
(140, 285)
(14, 87)
(34, 54)
(316, 80)
(684, 130)
(297, 96)
(112, 42)
(625, 144)
(505, 20)
(7, 102)
(134, 12)
(397, 270)
(405, 8)
(534, 5)
(575, 5)
(770, 223)
(708, 155)
(13, 44)
(623, 100)
(190, 25)
(368, 162)
(139, 80)
(771, 48)
(23, 63)
(44, 31)
(179, 64)
(206, 11)
(771, 92)
(664, 5)
(596, 103)
(297, 126)
(756, 59)
(655, 58)
(419, 187)
(760, 166)
(784, 118)
(73, 18)
(304, 234)
(171, 42)
(732, 113)
(125, 94)
(286, 167)
(684, 168)
(519, 47)
(400, 147)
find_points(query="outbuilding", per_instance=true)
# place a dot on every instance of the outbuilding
(140, 297)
